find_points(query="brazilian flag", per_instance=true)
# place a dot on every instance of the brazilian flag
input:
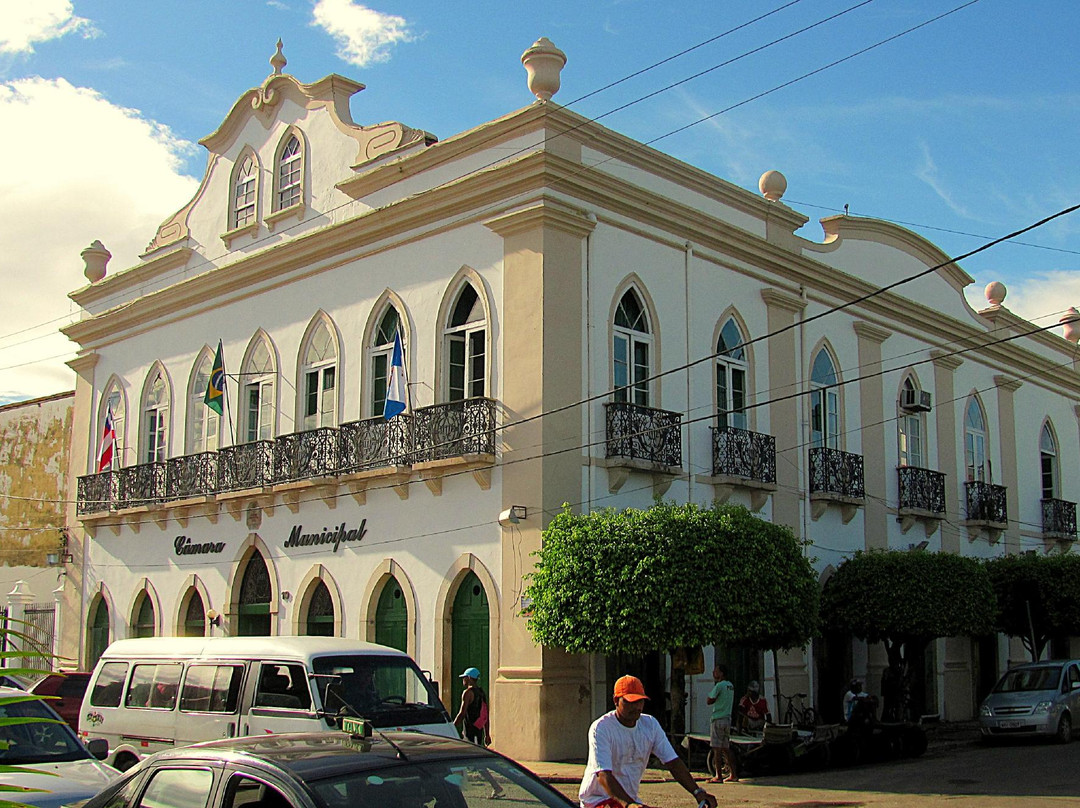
(215, 390)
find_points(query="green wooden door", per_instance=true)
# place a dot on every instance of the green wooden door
(99, 634)
(392, 617)
(254, 618)
(469, 640)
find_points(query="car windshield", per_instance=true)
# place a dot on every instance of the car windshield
(1028, 679)
(390, 690)
(25, 739)
(454, 783)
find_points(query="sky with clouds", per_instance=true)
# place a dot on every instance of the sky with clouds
(962, 130)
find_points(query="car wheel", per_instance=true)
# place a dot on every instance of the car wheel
(125, 762)
(1064, 730)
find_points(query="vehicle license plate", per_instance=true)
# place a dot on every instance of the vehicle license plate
(1010, 724)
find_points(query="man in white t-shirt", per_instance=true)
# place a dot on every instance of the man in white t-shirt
(620, 743)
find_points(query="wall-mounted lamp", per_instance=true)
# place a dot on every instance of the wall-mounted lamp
(286, 596)
(213, 618)
(512, 515)
(56, 559)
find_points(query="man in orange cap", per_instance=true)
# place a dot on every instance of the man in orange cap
(620, 743)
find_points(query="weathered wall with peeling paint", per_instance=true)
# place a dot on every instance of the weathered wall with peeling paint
(35, 439)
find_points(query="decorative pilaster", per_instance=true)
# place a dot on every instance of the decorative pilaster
(871, 396)
(947, 461)
(1006, 388)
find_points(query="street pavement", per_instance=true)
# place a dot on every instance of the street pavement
(955, 771)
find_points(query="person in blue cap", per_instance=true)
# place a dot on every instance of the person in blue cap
(473, 718)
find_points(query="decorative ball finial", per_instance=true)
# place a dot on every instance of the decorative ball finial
(278, 61)
(772, 185)
(95, 257)
(543, 62)
(1071, 323)
(995, 293)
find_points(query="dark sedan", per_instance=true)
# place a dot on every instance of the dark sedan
(328, 770)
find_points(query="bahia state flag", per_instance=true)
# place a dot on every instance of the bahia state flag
(395, 384)
(215, 390)
(108, 444)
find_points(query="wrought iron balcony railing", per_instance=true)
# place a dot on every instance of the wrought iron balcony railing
(142, 484)
(986, 503)
(921, 489)
(304, 455)
(375, 443)
(643, 433)
(454, 429)
(193, 475)
(98, 492)
(1059, 518)
(837, 473)
(742, 453)
(246, 465)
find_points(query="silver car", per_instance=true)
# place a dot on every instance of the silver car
(1040, 698)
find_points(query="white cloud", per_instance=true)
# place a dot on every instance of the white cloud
(1043, 297)
(26, 23)
(363, 34)
(79, 168)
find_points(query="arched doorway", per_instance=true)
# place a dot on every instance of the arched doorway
(320, 612)
(98, 633)
(254, 608)
(143, 623)
(392, 617)
(194, 615)
(469, 636)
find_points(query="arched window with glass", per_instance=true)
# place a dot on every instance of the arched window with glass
(245, 191)
(258, 375)
(824, 402)
(909, 431)
(289, 179)
(630, 351)
(319, 378)
(112, 402)
(380, 352)
(731, 363)
(1048, 463)
(155, 425)
(976, 464)
(320, 612)
(465, 340)
(204, 424)
(142, 623)
(194, 615)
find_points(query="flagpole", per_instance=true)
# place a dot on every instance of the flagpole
(228, 411)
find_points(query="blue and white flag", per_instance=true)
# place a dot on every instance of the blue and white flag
(396, 387)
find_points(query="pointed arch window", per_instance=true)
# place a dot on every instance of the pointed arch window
(255, 593)
(909, 433)
(975, 461)
(143, 623)
(380, 351)
(259, 375)
(731, 377)
(194, 615)
(244, 193)
(320, 612)
(320, 379)
(1048, 463)
(113, 402)
(466, 346)
(824, 403)
(204, 424)
(290, 165)
(156, 419)
(631, 349)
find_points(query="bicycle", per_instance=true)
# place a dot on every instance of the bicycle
(801, 716)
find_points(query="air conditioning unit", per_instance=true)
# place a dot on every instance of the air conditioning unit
(914, 401)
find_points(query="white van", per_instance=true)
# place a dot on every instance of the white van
(159, 692)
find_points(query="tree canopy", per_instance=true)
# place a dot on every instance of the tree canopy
(903, 597)
(635, 581)
(1050, 585)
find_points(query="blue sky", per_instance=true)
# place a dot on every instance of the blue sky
(968, 124)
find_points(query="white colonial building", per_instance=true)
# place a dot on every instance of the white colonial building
(533, 265)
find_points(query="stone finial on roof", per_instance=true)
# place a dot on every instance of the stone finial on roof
(96, 257)
(543, 62)
(278, 61)
(995, 293)
(772, 185)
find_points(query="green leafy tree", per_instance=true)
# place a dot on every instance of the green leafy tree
(1038, 597)
(636, 581)
(905, 599)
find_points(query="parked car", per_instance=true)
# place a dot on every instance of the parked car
(1040, 698)
(65, 771)
(67, 689)
(7, 680)
(332, 769)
